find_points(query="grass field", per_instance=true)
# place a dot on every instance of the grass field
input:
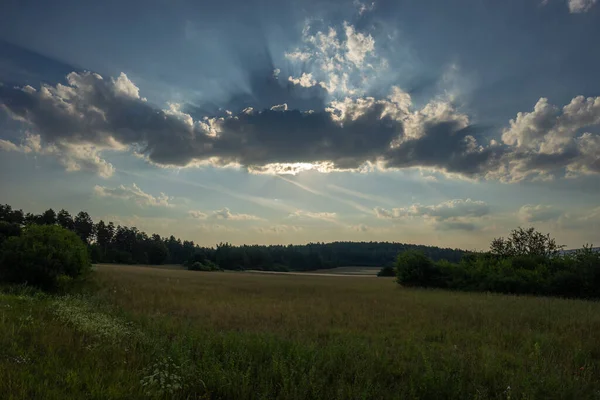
(163, 333)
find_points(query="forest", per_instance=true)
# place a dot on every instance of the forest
(110, 243)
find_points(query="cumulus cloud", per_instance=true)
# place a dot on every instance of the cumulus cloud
(550, 139)
(343, 61)
(581, 6)
(78, 122)
(95, 114)
(135, 194)
(538, 213)
(223, 214)
(305, 80)
(453, 214)
(72, 156)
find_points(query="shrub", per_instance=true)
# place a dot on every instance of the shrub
(204, 266)
(527, 267)
(8, 229)
(525, 242)
(414, 268)
(388, 270)
(42, 255)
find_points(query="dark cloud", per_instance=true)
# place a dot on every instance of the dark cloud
(446, 146)
(91, 114)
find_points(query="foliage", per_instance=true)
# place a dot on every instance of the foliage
(8, 229)
(48, 217)
(64, 219)
(206, 266)
(525, 242)
(531, 265)
(414, 268)
(388, 270)
(84, 226)
(42, 255)
(163, 378)
(12, 216)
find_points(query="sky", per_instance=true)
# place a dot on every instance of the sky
(275, 122)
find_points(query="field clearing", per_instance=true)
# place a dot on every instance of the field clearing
(260, 336)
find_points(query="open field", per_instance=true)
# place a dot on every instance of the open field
(160, 333)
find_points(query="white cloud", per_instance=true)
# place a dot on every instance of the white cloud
(358, 45)
(125, 87)
(135, 194)
(344, 63)
(278, 229)
(280, 107)
(6, 145)
(224, 214)
(72, 156)
(581, 6)
(325, 216)
(548, 139)
(305, 80)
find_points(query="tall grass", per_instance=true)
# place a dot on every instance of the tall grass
(180, 334)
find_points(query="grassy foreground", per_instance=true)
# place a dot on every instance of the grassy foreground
(152, 333)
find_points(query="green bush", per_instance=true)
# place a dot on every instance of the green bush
(570, 275)
(42, 256)
(8, 229)
(388, 270)
(414, 268)
(206, 266)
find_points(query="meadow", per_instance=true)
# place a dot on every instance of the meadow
(135, 332)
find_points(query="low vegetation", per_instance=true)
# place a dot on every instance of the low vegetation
(526, 262)
(147, 333)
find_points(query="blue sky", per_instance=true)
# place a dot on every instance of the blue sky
(436, 122)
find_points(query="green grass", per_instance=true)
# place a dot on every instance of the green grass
(153, 333)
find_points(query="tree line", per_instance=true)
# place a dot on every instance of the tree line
(110, 243)
(527, 262)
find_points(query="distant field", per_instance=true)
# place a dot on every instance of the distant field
(165, 333)
(162, 266)
(340, 271)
